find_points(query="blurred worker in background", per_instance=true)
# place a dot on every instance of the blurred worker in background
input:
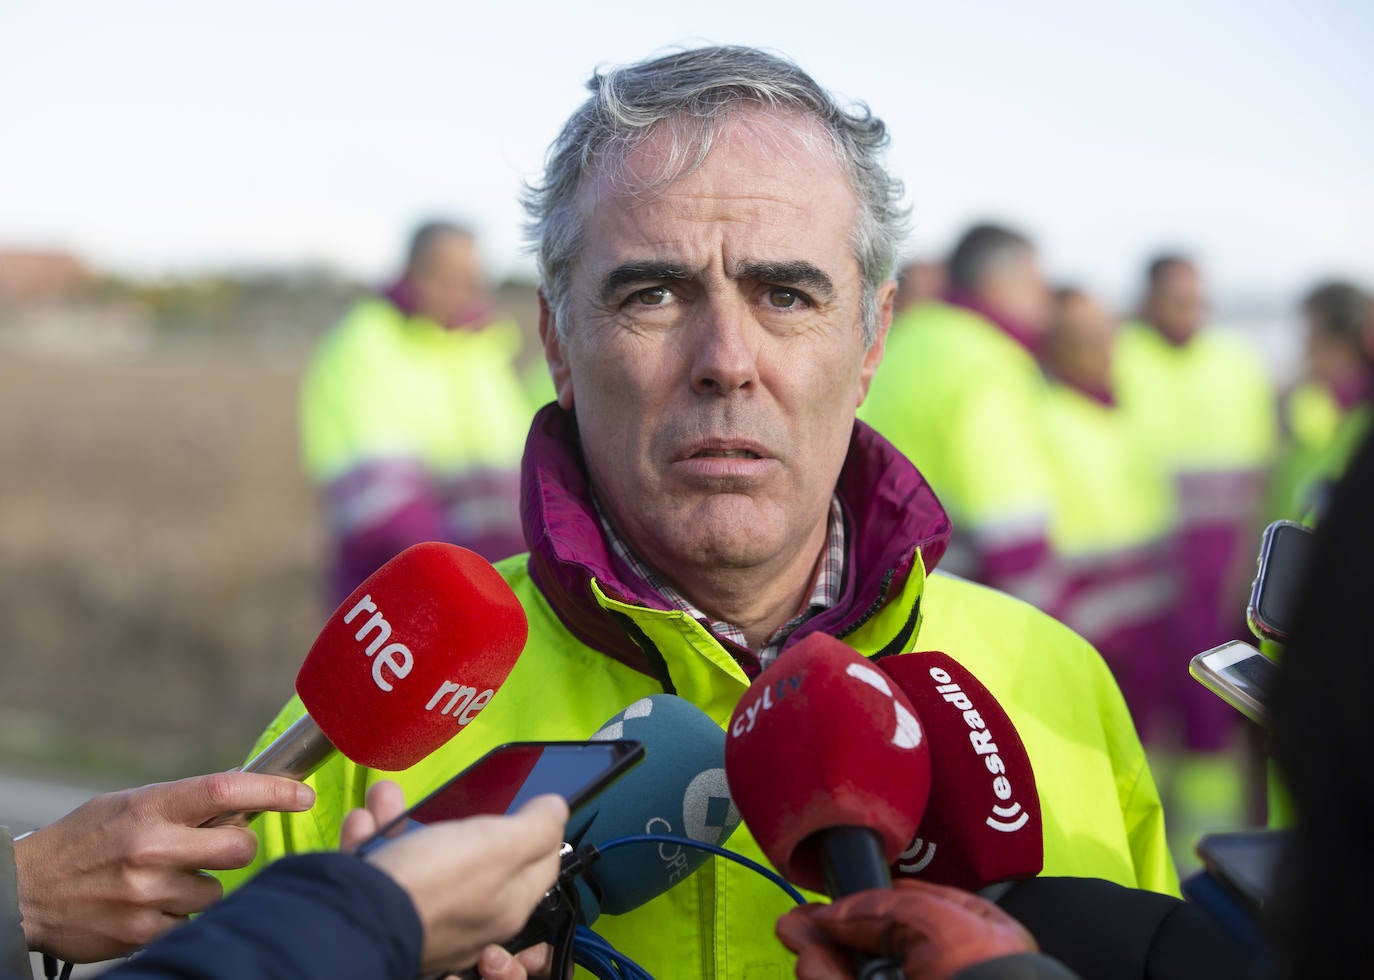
(961, 395)
(1325, 415)
(413, 415)
(1201, 398)
(1113, 518)
(918, 280)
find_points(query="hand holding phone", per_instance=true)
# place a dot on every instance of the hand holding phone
(473, 881)
(503, 779)
(501, 782)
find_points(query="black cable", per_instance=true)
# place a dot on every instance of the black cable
(50, 971)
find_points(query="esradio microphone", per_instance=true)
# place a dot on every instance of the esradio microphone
(828, 765)
(982, 822)
(403, 664)
(679, 789)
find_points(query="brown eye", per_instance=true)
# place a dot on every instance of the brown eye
(653, 296)
(784, 299)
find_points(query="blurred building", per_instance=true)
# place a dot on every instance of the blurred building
(31, 277)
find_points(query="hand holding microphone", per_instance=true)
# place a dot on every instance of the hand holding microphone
(931, 931)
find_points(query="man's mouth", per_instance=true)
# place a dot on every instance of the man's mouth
(725, 454)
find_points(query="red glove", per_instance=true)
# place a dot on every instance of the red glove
(932, 931)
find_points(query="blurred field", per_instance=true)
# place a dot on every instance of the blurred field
(160, 556)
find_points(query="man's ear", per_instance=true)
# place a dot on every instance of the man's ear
(555, 353)
(887, 292)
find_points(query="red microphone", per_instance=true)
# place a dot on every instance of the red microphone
(403, 664)
(828, 766)
(982, 822)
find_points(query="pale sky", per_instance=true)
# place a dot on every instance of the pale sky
(155, 136)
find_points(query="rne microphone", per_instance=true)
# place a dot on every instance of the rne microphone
(828, 765)
(680, 789)
(407, 661)
(982, 823)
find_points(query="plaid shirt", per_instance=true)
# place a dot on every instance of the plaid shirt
(824, 593)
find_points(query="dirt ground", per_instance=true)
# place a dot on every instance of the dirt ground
(159, 555)
(160, 558)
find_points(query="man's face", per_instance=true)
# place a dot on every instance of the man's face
(1176, 305)
(1081, 342)
(448, 280)
(1016, 287)
(1331, 359)
(715, 355)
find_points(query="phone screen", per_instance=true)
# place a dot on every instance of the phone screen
(510, 774)
(1282, 567)
(1240, 675)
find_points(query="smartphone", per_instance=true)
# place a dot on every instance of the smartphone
(1240, 675)
(1246, 862)
(503, 779)
(1284, 552)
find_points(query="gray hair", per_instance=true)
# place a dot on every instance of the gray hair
(691, 95)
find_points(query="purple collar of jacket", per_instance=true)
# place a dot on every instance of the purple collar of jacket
(1022, 333)
(401, 294)
(888, 506)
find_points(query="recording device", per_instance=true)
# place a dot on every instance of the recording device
(1285, 550)
(506, 777)
(1240, 675)
(830, 769)
(679, 790)
(402, 665)
(982, 822)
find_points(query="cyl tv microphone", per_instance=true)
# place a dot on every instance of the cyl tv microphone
(828, 765)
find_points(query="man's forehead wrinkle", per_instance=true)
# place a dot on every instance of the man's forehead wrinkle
(650, 165)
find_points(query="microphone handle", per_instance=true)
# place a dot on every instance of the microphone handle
(295, 754)
(854, 862)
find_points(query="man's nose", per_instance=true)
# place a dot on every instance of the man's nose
(725, 358)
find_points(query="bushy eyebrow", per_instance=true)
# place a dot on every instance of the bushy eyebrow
(790, 273)
(793, 273)
(637, 272)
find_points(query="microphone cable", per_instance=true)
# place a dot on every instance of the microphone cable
(752, 865)
(602, 959)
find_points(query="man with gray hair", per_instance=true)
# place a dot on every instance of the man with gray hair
(716, 236)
